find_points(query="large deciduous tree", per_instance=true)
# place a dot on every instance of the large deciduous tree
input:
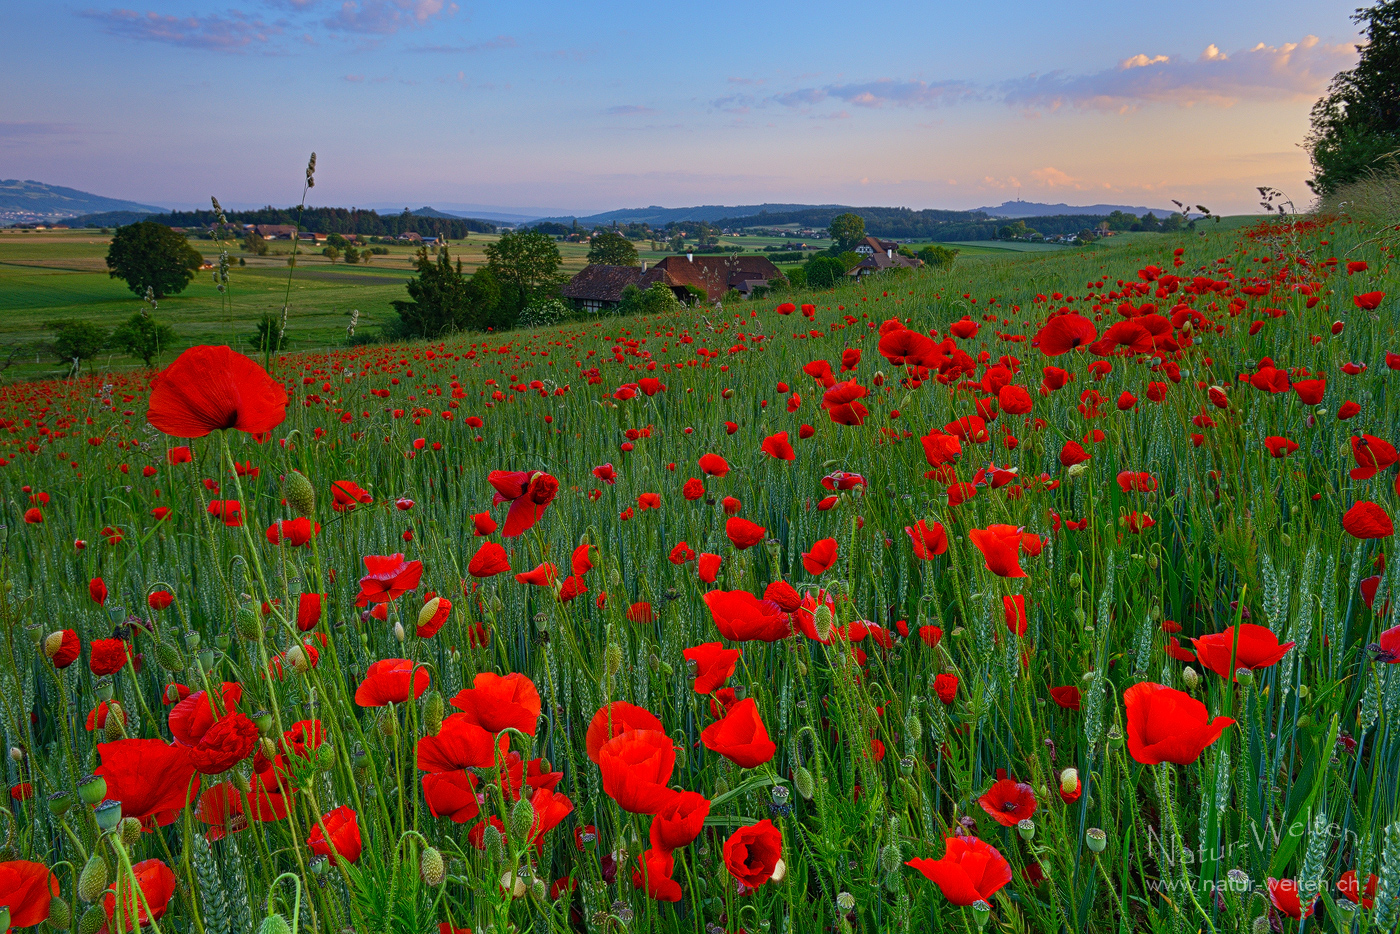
(1358, 121)
(152, 256)
(524, 261)
(610, 248)
(846, 230)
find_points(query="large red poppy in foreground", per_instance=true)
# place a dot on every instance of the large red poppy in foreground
(208, 388)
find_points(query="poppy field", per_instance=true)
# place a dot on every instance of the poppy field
(1037, 596)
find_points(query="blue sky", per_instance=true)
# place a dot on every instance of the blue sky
(588, 106)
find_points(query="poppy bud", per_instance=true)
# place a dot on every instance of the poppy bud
(388, 723)
(612, 659)
(494, 844)
(169, 657)
(822, 621)
(131, 831)
(301, 497)
(245, 622)
(802, 779)
(431, 867)
(325, 757)
(399, 634)
(429, 610)
(60, 918)
(52, 643)
(93, 879)
(108, 814)
(513, 884)
(92, 790)
(432, 712)
(94, 920)
(522, 817)
(1096, 839)
(274, 924)
(1190, 678)
(115, 727)
(240, 782)
(912, 727)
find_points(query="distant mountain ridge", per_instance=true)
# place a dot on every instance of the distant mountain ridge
(1037, 209)
(29, 201)
(657, 216)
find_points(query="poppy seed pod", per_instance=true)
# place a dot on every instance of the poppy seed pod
(109, 815)
(274, 924)
(93, 920)
(1026, 828)
(102, 689)
(432, 868)
(93, 879)
(60, 803)
(92, 790)
(301, 497)
(1096, 838)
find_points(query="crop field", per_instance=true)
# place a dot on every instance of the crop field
(1048, 592)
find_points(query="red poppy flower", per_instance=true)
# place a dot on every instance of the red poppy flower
(680, 821)
(1064, 333)
(1014, 609)
(1167, 725)
(946, 687)
(636, 767)
(740, 616)
(483, 524)
(63, 648)
(930, 636)
(97, 590)
(1284, 895)
(612, 720)
(1367, 520)
(713, 665)
(1008, 802)
(529, 494)
(713, 465)
(160, 599)
(751, 853)
(496, 702)
(347, 494)
(1258, 648)
(653, 875)
(1000, 546)
(459, 744)
(209, 388)
(1067, 697)
(1351, 888)
(778, 447)
(27, 888)
(387, 578)
(451, 795)
(152, 779)
(821, 557)
(970, 871)
(740, 736)
(542, 575)
(292, 532)
(229, 741)
(928, 542)
(1372, 455)
(490, 559)
(308, 611)
(387, 682)
(1368, 301)
(157, 884)
(192, 717)
(842, 403)
(707, 567)
(743, 533)
(106, 656)
(338, 832)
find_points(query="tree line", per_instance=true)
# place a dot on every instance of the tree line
(333, 221)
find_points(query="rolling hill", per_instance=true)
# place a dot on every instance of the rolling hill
(36, 202)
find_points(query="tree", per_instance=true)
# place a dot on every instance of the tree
(846, 230)
(938, 256)
(823, 272)
(352, 255)
(142, 336)
(255, 244)
(609, 248)
(1358, 121)
(526, 261)
(151, 255)
(331, 253)
(76, 340)
(440, 300)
